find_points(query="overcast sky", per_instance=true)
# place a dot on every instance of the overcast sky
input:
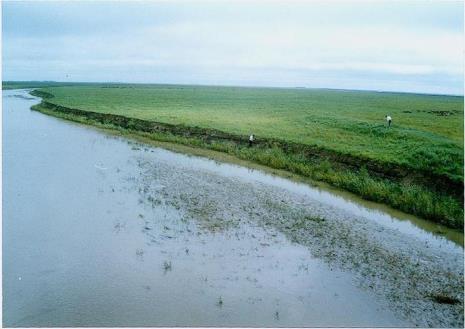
(413, 46)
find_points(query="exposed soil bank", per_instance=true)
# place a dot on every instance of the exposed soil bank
(309, 152)
(426, 194)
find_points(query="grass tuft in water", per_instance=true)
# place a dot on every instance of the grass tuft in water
(167, 266)
(444, 299)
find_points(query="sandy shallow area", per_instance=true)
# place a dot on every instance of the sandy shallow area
(409, 272)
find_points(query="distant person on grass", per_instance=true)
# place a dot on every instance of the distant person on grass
(389, 120)
(251, 140)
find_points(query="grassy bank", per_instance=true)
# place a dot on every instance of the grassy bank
(427, 134)
(432, 194)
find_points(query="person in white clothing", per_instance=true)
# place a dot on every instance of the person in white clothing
(389, 120)
(251, 140)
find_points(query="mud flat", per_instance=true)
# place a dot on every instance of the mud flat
(102, 231)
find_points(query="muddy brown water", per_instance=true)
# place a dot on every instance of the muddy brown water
(94, 235)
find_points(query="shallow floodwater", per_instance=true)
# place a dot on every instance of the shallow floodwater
(83, 247)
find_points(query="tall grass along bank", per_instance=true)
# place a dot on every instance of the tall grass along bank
(430, 192)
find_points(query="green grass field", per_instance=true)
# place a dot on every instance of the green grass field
(426, 138)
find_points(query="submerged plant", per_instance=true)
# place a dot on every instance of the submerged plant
(167, 266)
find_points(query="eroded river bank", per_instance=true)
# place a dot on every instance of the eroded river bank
(102, 231)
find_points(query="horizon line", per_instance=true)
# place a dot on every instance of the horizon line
(240, 86)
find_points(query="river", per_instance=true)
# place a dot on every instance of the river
(99, 230)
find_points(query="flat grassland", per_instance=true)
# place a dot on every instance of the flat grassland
(336, 136)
